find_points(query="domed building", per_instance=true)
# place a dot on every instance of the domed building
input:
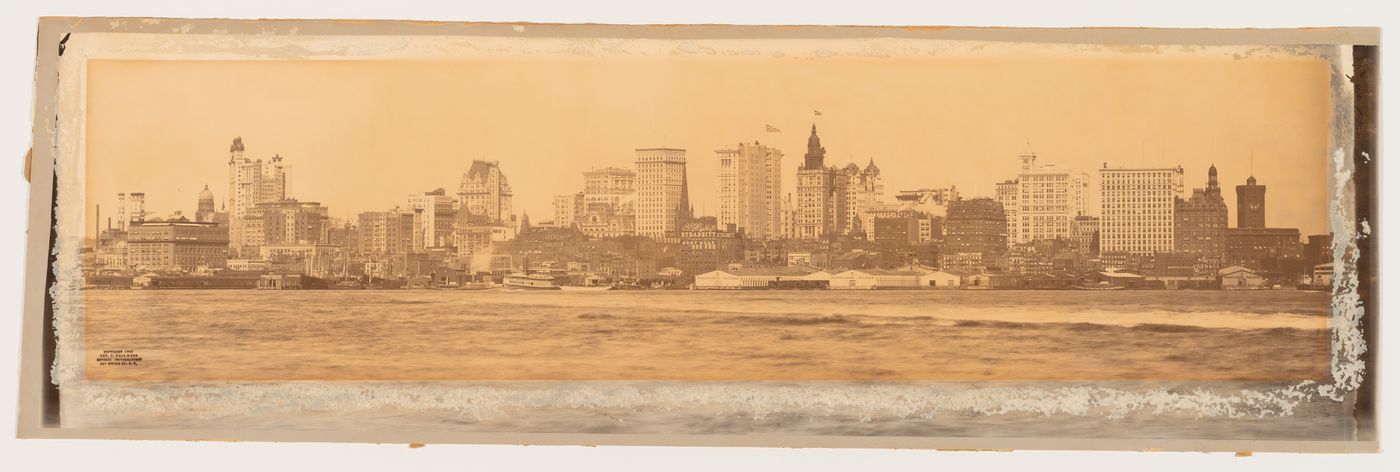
(205, 210)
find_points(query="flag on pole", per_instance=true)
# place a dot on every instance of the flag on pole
(771, 129)
(816, 113)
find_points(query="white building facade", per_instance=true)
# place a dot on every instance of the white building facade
(1042, 201)
(662, 203)
(1137, 209)
(750, 189)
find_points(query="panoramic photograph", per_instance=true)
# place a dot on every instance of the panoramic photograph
(790, 237)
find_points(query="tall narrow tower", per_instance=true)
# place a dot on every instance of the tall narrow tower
(1250, 204)
(816, 213)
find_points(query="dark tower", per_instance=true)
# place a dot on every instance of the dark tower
(1250, 204)
(815, 152)
(1213, 183)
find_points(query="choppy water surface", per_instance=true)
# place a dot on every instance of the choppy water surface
(1065, 364)
(710, 335)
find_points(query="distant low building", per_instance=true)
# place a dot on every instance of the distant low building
(1239, 277)
(942, 279)
(988, 280)
(762, 279)
(873, 279)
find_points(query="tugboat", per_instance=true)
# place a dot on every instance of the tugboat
(524, 281)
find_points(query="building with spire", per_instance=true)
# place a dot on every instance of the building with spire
(818, 199)
(834, 201)
(1042, 201)
(750, 189)
(663, 195)
(250, 182)
(1200, 224)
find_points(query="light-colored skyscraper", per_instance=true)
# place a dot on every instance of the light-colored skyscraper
(609, 185)
(568, 209)
(1137, 209)
(864, 192)
(138, 207)
(121, 212)
(663, 200)
(433, 217)
(205, 209)
(250, 182)
(485, 191)
(1042, 201)
(750, 189)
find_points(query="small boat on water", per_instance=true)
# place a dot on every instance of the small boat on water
(585, 288)
(1100, 286)
(523, 281)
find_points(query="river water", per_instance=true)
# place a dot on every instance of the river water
(1154, 364)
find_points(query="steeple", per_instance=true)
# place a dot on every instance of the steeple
(816, 154)
(1213, 182)
(871, 168)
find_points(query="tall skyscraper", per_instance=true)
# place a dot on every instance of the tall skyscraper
(818, 200)
(1042, 201)
(205, 210)
(1137, 209)
(832, 201)
(138, 207)
(864, 191)
(433, 219)
(1200, 222)
(663, 196)
(485, 191)
(121, 212)
(1249, 200)
(750, 189)
(250, 182)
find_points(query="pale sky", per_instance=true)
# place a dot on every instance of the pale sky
(362, 135)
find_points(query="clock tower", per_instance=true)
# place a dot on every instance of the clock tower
(1250, 204)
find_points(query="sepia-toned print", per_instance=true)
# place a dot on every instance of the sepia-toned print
(809, 237)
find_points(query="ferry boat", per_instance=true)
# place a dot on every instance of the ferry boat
(529, 282)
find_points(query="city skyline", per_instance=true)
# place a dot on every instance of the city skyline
(987, 161)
